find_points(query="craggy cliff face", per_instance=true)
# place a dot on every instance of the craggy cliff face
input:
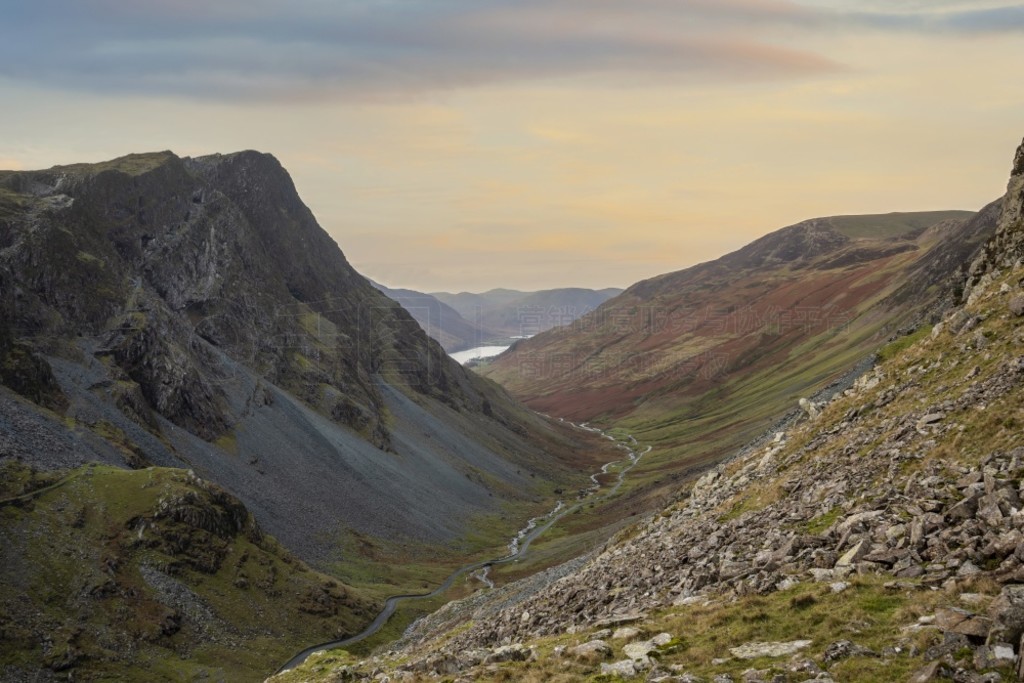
(1007, 248)
(191, 313)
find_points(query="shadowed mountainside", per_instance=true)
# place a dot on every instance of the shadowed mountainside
(191, 313)
(189, 319)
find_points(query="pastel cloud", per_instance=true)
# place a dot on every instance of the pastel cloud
(360, 49)
(467, 144)
(264, 50)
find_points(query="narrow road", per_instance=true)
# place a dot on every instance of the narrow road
(518, 547)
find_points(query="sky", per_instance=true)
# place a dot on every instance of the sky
(469, 144)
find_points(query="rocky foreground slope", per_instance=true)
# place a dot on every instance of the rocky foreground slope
(879, 540)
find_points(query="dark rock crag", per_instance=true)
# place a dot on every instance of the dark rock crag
(157, 310)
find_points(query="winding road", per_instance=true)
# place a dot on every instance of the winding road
(517, 547)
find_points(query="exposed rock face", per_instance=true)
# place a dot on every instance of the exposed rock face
(1007, 248)
(30, 375)
(803, 242)
(191, 313)
(755, 650)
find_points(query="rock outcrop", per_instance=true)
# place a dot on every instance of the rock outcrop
(1006, 249)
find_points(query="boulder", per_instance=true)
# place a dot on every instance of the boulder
(758, 649)
(929, 420)
(851, 556)
(1007, 614)
(990, 657)
(955, 620)
(509, 653)
(625, 633)
(1020, 660)
(591, 650)
(936, 671)
(809, 407)
(626, 669)
(639, 651)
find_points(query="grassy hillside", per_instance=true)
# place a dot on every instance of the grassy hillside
(891, 225)
(151, 574)
(698, 362)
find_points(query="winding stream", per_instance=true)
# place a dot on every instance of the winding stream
(517, 547)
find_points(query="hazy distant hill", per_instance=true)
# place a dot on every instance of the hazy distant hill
(465, 320)
(439, 320)
(512, 313)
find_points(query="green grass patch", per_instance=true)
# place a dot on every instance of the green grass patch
(823, 522)
(898, 346)
(148, 571)
(891, 225)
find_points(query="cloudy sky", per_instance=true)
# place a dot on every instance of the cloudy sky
(469, 144)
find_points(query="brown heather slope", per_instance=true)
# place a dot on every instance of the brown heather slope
(699, 361)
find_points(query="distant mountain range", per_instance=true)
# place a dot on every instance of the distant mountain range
(466, 320)
(513, 313)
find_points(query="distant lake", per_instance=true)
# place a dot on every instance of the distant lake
(479, 353)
